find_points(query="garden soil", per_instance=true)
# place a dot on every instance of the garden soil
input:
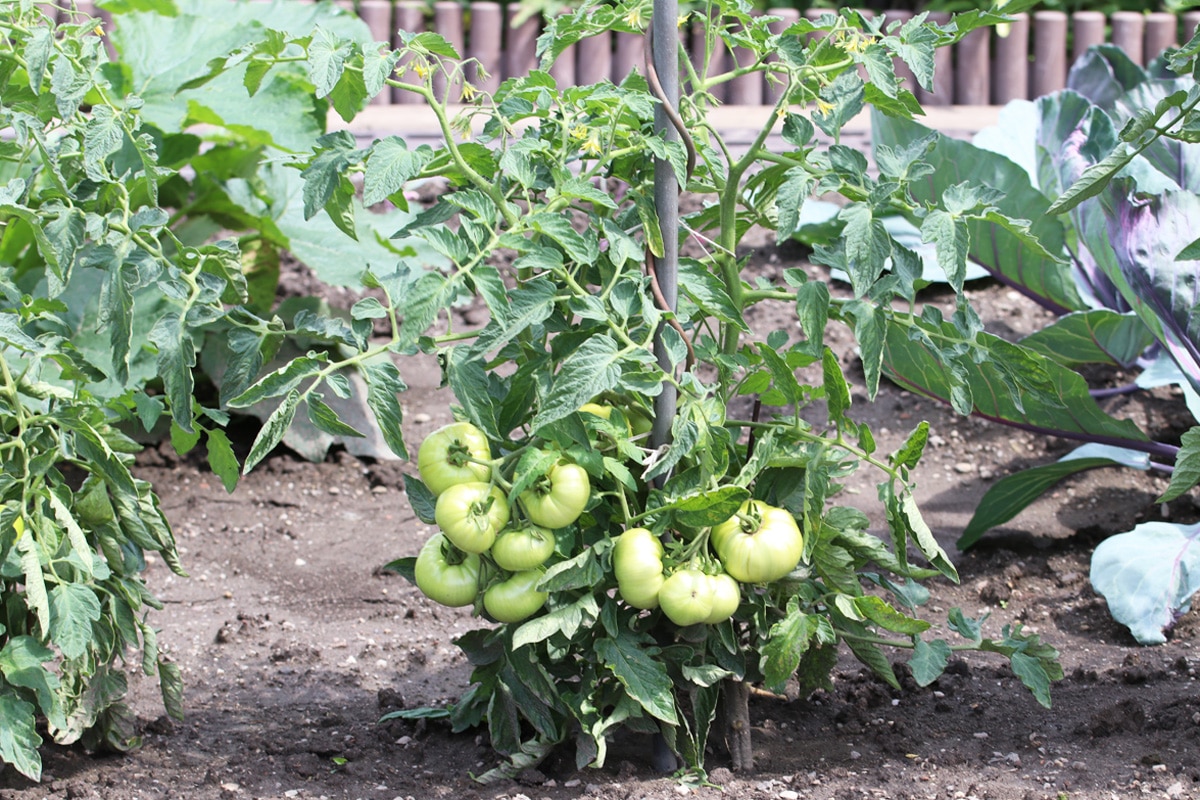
(293, 642)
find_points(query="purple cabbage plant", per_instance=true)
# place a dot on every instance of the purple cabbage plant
(1107, 172)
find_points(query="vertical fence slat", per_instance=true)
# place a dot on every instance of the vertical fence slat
(630, 55)
(593, 61)
(972, 69)
(773, 90)
(1010, 68)
(943, 71)
(483, 45)
(378, 16)
(1128, 31)
(748, 89)
(563, 69)
(903, 72)
(448, 22)
(1190, 20)
(410, 16)
(1160, 34)
(520, 44)
(1049, 53)
(1089, 31)
(717, 61)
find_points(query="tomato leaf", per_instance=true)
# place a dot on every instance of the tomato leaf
(384, 386)
(929, 660)
(644, 678)
(73, 609)
(19, 739)
(786, 644)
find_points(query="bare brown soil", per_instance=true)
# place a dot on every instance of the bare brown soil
(293, 644)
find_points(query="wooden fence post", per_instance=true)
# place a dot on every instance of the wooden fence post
(563, 70)
(378, 16)
(1128, 32)
(594, 59)
(1010, 74)
(1160, 34)
(448, 22)
(630, 55)
(943, 71)
(1049, 53)
(1191, 20)
(972, 68)
(483, 45)
(1089, 31)
(410, 16)
(772, 90)
(907, 79)
(746, 90)
(520, 45)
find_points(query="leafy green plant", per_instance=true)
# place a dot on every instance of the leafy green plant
(115, 289)
(1114, 152)
(549, 217)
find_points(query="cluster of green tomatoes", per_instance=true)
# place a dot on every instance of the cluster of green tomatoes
(482, 546)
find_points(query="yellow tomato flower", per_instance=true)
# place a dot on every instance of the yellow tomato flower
(592, 145)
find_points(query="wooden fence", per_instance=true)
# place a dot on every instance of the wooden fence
(983, 69)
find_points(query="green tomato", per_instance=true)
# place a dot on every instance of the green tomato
(605, 412)
(759, 544)
(637, 565)
(599, 409)
(471, 514)
(558, 499)
(639, 423)
(726, 597)
(686, 597)
(518, 549)
(445, 574)
(516, 598)
(443, 458)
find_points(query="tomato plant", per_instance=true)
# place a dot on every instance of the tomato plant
(653, 607)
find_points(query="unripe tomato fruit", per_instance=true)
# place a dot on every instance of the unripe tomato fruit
(516, 598)
(519, 549)
(445, 575)
(637, 565)
(686, 597)
(471, 514)
(726, 597)
(559, 499)
(759, 544)
(442, 459)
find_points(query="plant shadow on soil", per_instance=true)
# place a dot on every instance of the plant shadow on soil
(293, 643)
